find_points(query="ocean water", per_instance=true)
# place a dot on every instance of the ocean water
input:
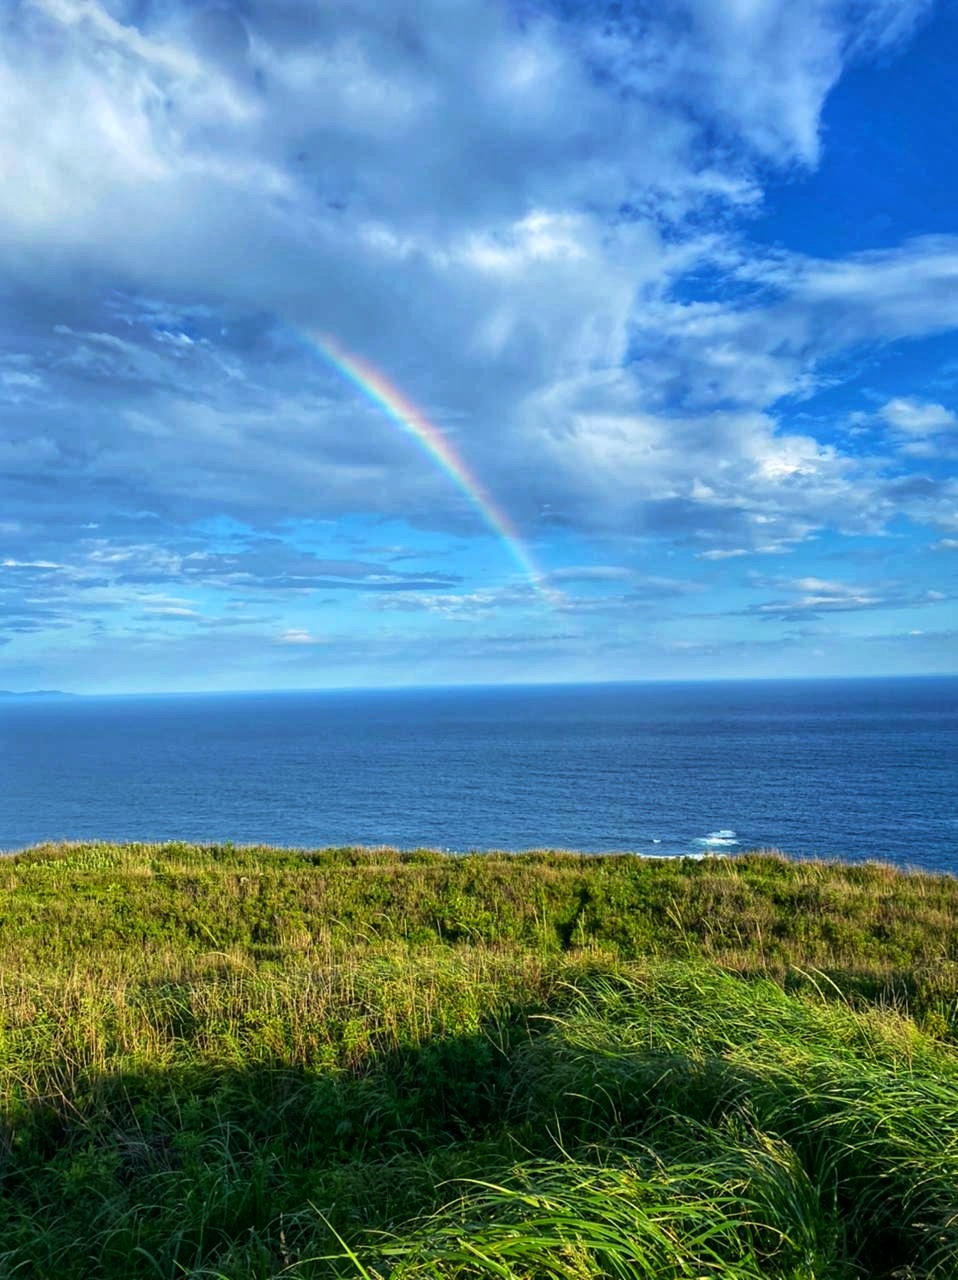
(856, 769)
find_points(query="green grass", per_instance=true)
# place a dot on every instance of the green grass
(231, 1063)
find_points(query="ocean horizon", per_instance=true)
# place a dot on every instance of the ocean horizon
(850, 769)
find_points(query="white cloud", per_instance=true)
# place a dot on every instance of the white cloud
(298, 636)
(494, 212)
(810, 595)
(917, 418)
(30, 564)
(815, 595)
(228, 137)
(454, 606)
(133, 120)
(797, 314)
(170, 611)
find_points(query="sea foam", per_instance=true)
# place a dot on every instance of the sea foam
(722, 838)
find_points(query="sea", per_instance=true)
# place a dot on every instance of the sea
(839, 769)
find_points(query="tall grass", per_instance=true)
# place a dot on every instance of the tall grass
(256, 1063)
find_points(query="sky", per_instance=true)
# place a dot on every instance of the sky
(400, 342)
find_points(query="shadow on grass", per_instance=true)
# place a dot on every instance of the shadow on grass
(208, 1170)
(166, 1172)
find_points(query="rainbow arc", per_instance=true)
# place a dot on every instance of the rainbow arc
(385, 395)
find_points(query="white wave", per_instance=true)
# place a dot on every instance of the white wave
(722, 838)
(676, 857)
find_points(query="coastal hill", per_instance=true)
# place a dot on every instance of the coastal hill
(252, 1062)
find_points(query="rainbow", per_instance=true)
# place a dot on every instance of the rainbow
(377, 388)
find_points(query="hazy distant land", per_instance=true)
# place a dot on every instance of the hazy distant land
(36, 693)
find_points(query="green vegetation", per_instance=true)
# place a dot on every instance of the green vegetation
(232, 1062)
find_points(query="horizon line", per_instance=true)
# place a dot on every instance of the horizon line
(475, 684)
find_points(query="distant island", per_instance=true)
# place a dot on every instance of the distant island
(37, 693)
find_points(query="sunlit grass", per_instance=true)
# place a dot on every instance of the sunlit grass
(257, 1063)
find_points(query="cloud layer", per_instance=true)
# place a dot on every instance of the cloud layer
(535, 219)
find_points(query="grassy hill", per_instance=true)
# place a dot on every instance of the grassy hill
(248, 1062)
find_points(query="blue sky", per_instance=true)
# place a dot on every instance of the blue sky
(678, 282)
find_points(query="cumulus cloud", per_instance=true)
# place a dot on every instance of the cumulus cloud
(920, 429)
(918, 419)
(473, 198)
(522, 214)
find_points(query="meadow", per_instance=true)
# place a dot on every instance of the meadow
(233, 1062)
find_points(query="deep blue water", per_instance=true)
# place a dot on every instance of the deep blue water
(849, 769)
